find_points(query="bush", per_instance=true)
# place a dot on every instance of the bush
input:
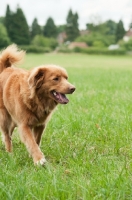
(35, 49)
(96, 39)
(126, 45)
(98, 44)
(104, 51)
(42, 41)
(64, 49)
(4, 39)
(77, 49)
(92, 50)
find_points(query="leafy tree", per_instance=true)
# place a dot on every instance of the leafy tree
(100, 28)
(50, 29)
(72, 29)
(120, 31)
(35, 28)
(61, 28)
(2, 19)
(107, 28)
(130, 25)
(96, 39)
(111, 27)
(91, 27)
(4, 39)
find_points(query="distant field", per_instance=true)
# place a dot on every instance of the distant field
(87, 143)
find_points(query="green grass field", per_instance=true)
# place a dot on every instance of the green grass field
(87, 143)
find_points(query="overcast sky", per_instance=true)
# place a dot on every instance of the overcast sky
(58, 10)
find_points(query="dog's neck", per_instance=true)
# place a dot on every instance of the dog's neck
(42, 106)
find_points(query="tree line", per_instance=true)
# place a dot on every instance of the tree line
(15, 29)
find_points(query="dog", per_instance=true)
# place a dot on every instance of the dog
(28, 98)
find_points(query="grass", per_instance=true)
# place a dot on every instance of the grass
(88, 143)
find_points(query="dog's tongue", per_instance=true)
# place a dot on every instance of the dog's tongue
(61, 98)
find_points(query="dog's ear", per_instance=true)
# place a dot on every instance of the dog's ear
(36, 78)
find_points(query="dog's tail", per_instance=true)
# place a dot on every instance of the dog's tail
(10, 56)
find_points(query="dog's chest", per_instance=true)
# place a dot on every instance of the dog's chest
(45, 114)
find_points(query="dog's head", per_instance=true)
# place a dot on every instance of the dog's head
(51, 81)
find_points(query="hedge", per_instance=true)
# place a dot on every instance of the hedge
(35, 49)
(93, 50)
(104, 51)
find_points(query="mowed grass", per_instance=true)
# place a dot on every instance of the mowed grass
(87, 143)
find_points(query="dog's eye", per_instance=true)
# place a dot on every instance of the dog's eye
(56, 79)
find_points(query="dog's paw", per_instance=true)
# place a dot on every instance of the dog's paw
(42, 162)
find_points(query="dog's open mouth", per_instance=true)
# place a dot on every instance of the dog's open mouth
(59, 97)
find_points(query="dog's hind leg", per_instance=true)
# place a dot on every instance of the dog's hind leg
(7, 127)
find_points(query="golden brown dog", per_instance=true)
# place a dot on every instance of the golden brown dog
(28, 98)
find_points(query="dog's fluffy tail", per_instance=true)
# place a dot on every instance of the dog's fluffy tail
(10, 56)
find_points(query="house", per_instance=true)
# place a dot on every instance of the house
(72, 45)
(84, 32)
(61, 37)
(128, 35)
(113, 47)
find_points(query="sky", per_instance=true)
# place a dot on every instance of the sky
(88, 10)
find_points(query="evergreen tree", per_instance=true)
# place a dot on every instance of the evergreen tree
(17, 26)
(50, 29)
(21, 30)
(35, 28)
(120, 31)
(8, 21)
(72, 29)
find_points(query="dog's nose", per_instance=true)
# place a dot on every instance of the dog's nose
(72, 89)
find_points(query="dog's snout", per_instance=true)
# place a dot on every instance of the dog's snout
(72, 89)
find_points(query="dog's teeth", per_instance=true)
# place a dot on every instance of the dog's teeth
(54, 93)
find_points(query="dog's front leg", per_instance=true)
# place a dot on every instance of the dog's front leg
(37, 131)
(31, 145)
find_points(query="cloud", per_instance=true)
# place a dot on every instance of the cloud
(58, 10)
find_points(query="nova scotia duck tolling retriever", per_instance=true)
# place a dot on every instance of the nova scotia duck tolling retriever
(28, 98)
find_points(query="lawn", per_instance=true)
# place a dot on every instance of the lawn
(87, 143)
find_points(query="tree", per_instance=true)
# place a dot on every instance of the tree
(50, 29)
(17, 26)
(4, 39)
(72, 29)
(96, 39)
(2, 19)
(35, 28)
(130, 25)
(21, 29)
(100, 28)
(120, 31)
(8, 21)
(61, 28)
(111, 27)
